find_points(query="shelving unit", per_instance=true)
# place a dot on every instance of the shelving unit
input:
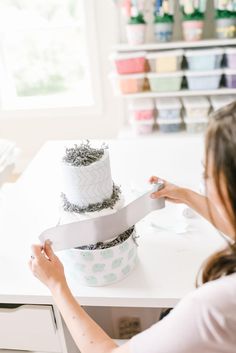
(152, 47)
(207, 43)
(182, 93)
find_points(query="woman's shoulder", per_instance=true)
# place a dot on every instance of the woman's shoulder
(218, 294)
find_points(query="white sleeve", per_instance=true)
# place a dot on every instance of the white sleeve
(184, 330)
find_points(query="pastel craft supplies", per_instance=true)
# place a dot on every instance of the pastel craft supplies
(165, 61)
(196, 125)
(218, 102)
(168, 108)
(163, 20)
(193, 15)
(128, 83)
(165, 82)
(170, 125)
(136, 26)
(129, 63)
(230, 76)
(196, 107)
(204, 59)
(204, 80)
(142, 127)
(142, 109)
(231, 57)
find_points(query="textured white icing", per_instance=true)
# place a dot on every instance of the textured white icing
(85, 185)
(69, 217)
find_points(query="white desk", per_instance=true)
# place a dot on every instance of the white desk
(168, 262)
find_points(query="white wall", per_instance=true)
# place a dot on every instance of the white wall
(31, 133)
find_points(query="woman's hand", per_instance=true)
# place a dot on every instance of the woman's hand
(171, 192)
(46, 266)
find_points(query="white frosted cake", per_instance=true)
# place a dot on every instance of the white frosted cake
(88, 184)
(87, 181)
(88, 191)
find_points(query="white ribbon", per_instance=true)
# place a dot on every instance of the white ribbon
(99, 229)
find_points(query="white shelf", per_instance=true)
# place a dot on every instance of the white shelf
(175, 45)
(182, 93)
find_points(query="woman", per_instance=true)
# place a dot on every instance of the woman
(203, 321)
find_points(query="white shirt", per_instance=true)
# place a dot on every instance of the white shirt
(203, 322)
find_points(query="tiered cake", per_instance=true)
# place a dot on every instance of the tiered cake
(88, 191)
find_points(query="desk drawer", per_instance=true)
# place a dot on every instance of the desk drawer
(28, 327)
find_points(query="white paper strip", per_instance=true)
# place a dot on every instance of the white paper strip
(93, 230)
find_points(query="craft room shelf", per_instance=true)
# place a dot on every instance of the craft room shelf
(182, 93)
(124, 47)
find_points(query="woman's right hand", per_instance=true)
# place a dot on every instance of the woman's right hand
(171, 192)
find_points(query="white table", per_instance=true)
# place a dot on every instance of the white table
(168, 262)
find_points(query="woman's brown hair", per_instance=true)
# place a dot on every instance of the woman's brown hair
(221, 146)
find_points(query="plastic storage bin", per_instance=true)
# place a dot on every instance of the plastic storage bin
(168, 108)
(218, 102)
(204, 59)
(142, 110)
(165, 61)
(231, 57)
(195, 125)
(203, 80)
(166, 82)
(196, 107)
(171, 125)
(142, 127)
(130, 63)
(230, 76)
(128, 83)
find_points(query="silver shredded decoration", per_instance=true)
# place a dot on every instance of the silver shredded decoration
(99, 206)
(120, 239)
(83, 154)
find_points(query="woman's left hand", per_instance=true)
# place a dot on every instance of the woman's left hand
(46, 266)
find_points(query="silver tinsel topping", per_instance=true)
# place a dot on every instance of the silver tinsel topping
(120, 239)
(83, 154)
(107, 203)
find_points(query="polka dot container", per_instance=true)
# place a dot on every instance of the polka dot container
(101, 267)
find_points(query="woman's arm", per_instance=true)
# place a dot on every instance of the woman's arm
(201, 204)
(88, 336)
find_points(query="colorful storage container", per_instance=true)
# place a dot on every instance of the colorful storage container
(195, 125)
(166, 82)
(142, 109)
(168, 108)
(171, 125)
(142, 127)
(231, 57)
(165, 61)
(129, 63)
(204, 59)
(127, 84)
(196, 107)
(218, 102)
(204, 80)
(230, 76)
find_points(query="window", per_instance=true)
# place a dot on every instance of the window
(46, 54)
